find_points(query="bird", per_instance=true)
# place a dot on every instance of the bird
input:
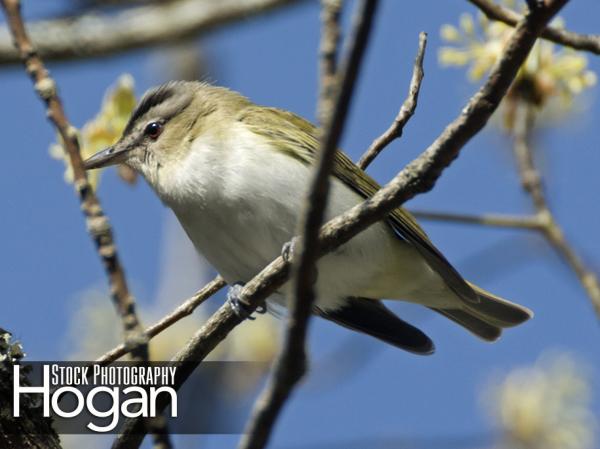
(236, 175)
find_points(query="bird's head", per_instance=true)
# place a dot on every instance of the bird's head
(164, 125)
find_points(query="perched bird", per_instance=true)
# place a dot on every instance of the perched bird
(235, 174)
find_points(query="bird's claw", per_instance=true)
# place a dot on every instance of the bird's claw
(239, 307)
(287, 252)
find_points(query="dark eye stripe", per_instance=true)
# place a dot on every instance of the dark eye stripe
(150, 100)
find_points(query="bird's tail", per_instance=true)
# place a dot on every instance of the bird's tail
(489, 316)
(371, 317)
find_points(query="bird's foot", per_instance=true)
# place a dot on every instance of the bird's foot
(287, 252)
(239, 307)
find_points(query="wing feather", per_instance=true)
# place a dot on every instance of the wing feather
(299, 140)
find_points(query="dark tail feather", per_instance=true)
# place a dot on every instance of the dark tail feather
(489, 316)
(373, 318)
(497, 311)
(483, 330)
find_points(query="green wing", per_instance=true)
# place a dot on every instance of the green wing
(299, 139)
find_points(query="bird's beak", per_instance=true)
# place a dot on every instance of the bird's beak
(109, 156)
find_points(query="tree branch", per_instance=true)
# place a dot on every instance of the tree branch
(417, 177)
(31, 430)
(497, 220)
(328, 54)
(96, 221)
(495, 11)
(183, 310)
(290, 366)
(531, 181)
(406, 110)
(136, 27)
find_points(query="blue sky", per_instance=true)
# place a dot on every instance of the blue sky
(375, 392)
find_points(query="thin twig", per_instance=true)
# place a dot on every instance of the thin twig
(290, 365)
(531, 181)
(93, 35)
(183, 310)
(406, 110)
(495, 11)
(96, 221)
(497, 220)
(417, 177)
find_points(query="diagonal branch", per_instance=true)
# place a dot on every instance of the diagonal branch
(334, 104)
(495, 11)
(532, 184)
(184, 309)
(542, 220)
(406, 110)
(419, 176)
(90, 35)
(96, 221)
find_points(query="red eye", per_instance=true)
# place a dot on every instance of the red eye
(153, 130)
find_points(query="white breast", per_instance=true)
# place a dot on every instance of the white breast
(239, 204)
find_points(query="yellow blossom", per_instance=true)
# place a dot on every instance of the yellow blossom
(548, 71)
(467, 24)
(450, 33)
(546, 405)
(104, 129)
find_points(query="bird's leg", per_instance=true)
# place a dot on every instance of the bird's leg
(287, 252)
(240, 308)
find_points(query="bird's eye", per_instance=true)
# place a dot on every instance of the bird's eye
(153, 130)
